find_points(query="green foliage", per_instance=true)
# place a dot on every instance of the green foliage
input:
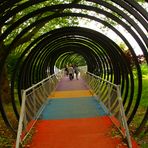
(71, 58)
(35, 32)
(142, 1)
(144, 68)
(11, 61)
(144, 101)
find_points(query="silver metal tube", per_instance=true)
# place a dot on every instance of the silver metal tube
(38, 83)
(124, 117)
(109, 105)
(101, 79)
(18, 140)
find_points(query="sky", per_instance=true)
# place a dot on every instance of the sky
(109, 33)
(112, 35)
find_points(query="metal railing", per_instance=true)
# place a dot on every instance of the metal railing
(33, 102)
(109, 96)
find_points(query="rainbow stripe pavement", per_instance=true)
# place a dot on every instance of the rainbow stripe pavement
(73, 118)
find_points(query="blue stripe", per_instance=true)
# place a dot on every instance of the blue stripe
(84, 107)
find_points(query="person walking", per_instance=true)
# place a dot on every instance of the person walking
(71, 72)
(76, 70)
(66, 70)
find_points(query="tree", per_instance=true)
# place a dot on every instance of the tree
(27, 38)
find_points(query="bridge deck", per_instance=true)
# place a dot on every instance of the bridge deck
(73, 118)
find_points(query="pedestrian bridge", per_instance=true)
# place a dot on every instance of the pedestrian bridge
(60, 113)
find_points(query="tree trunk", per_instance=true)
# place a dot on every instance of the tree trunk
(5, 92)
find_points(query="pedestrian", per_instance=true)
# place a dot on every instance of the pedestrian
(66, 70)
(76, 70)
(71, 72)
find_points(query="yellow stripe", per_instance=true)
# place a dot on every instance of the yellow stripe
(70, 94)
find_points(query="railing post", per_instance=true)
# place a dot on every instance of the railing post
(34, 100)
(20, 126)
(124, 117)
(108, 95)
(98, 91)
(46, 94)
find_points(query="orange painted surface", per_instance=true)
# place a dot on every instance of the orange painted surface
(28, 127)
(76, 133)
(70, 94)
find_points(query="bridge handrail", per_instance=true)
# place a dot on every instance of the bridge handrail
(109, 95)
(33, 103)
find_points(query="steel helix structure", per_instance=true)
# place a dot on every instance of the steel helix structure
(102, 55)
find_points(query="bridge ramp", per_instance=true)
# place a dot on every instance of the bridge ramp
(73, 118)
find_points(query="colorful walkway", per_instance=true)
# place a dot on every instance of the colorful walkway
(74, 119)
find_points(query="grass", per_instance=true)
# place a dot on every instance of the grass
(142, 139)
(7, 137)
